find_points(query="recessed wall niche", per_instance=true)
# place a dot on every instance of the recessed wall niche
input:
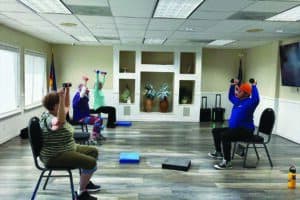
(126, 91)
(127, 62)
(157, 58)
(186, 91)
(157, 79)
(187, 63)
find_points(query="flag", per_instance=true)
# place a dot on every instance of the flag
(240, 73)
(52, 79)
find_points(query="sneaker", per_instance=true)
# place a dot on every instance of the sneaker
(91, 187)
(216, 155)
(223, 165)
(101, 137)
(85, 196)
(92, 142)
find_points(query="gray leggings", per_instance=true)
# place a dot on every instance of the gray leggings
(84, 157)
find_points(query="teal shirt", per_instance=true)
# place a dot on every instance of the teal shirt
(98, 94)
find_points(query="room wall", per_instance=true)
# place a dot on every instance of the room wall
(10, 126)
(72, 62)
(219, 66)
(262, 63)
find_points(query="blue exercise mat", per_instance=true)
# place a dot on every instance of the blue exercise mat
(129, 157)
(123, 123)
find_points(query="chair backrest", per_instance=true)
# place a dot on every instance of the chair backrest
(35, 138)
(266, 122)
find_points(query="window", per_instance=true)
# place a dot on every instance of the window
(9, 79)
(35, 78)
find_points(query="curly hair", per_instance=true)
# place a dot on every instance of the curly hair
(50, 100)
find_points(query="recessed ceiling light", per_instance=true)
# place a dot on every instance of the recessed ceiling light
(46, 6)
(154, 41)
(220, 42)
(176, 8)
(68, 24)
(189, 29)
(254, 30)
(292, 14)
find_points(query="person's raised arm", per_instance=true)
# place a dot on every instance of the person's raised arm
(67, 99)
(255, 94)
(231, 94)
(97, 80)
(61, 115)
(103, 79)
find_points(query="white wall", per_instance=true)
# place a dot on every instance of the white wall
(11, 126)
(262, 63)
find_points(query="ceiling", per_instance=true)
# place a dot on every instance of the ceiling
(110, 22)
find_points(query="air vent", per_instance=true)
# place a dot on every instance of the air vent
(90, 10)
(251, 15)
(126, 110)
(106, 38)
(201, 41)
(186, 111)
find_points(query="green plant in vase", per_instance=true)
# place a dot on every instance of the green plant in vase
(149, 93)
(163, 94)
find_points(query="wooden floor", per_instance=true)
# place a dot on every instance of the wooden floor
(156, 141)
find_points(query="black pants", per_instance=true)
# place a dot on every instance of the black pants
(111, 111)
(228, 135)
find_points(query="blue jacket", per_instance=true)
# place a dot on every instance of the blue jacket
(242, 111)
(80, 107)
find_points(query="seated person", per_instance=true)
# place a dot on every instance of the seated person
(241, 125)
(99, 106)
(81, 110)
(59, 148)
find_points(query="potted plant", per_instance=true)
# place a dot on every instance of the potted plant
(163, 94)
(149, 94)
(125, 96)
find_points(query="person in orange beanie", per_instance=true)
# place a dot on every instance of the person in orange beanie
(241, 125)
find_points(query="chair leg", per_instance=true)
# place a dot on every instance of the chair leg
(270, 161)
(37, 185)
(245, 156)
(257, 155)
(46, 182)
(72, 185)
(233, 150)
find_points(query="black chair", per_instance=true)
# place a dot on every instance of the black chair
(83, 136)
(36, 142)
(84, 127)
(262, 136)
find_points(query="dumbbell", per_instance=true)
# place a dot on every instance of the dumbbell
(66, 85)
(98, 71)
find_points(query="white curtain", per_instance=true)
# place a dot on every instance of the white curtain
(9, 81)
(35, 78)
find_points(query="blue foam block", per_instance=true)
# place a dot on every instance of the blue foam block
(129, 157)
(123, 123)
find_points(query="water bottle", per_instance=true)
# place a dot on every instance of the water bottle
(292, 177)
